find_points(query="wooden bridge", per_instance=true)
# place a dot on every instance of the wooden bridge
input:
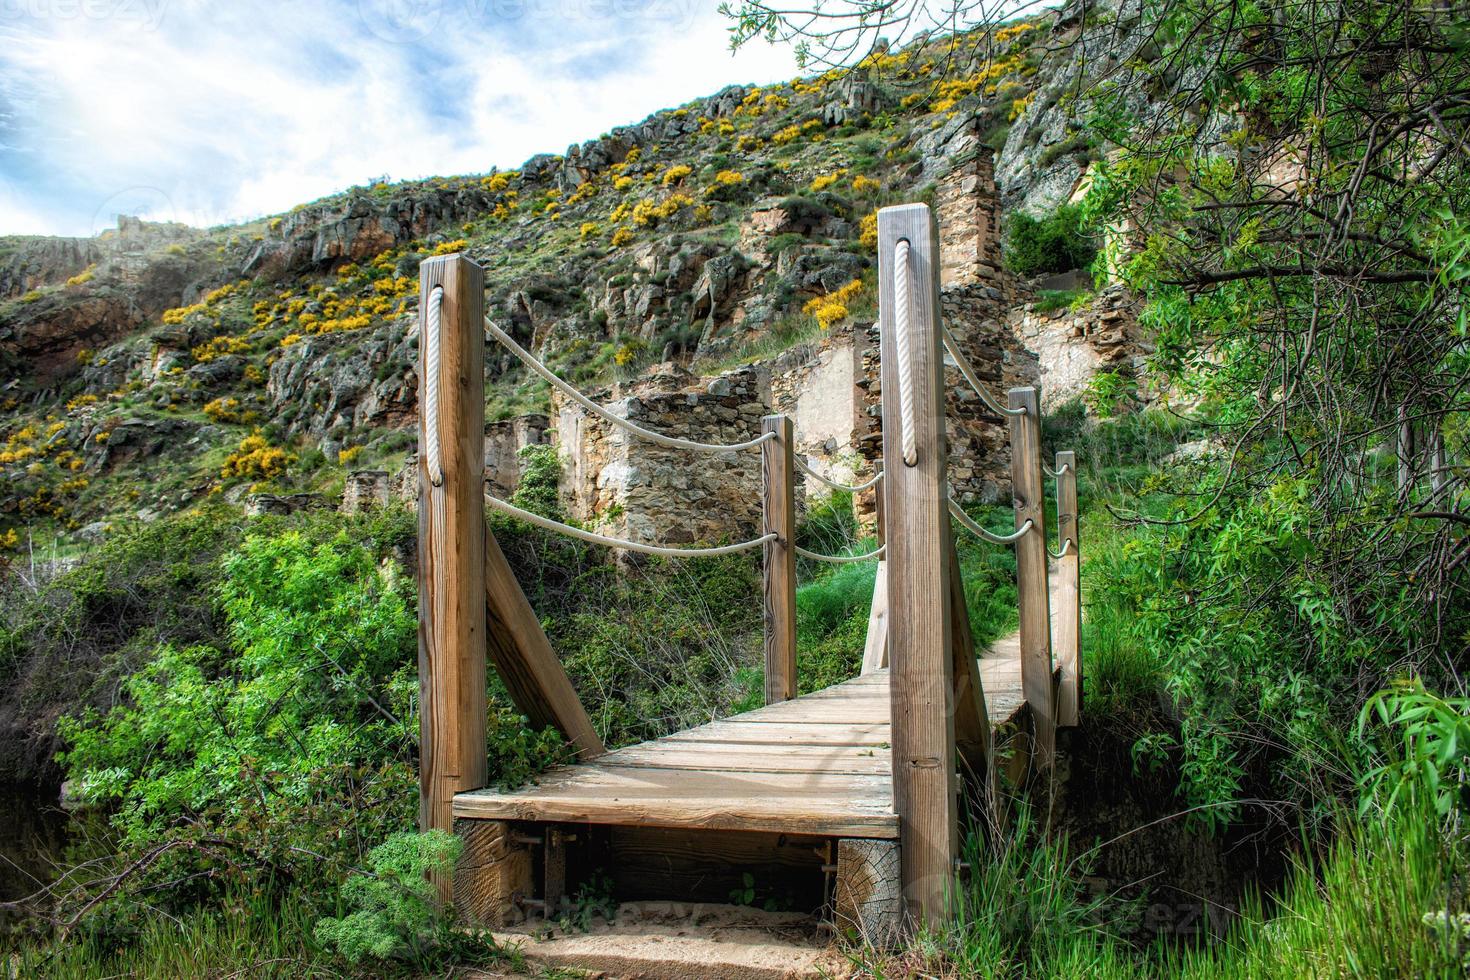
(846, 800)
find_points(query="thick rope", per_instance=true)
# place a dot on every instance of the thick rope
(431, 341)
(1053, 474)
(958, 514)
(529, 359)
(1059, 555)
(905, 355)
(969, 373)
(648, 549)
(842, 559)
(801, 465)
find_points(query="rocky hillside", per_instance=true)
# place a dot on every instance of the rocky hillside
(154, 367)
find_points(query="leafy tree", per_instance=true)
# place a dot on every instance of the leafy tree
(1053, 243)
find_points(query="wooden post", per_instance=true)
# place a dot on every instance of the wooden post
(916, 515)
(1067, 630)
(1031, 585)
(778, 514)
(451, 546)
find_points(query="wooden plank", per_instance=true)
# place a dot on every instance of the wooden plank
(533, 674)
(737, 759)
(777, 733)
(842, 805)
(778, 515)
(875, 650)
(916, 518)
(1031, 560)
(451, 544)
(1067, 592)
(554, 871)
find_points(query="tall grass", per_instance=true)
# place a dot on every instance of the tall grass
(245, 938)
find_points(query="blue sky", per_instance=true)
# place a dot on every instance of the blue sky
(212, 112)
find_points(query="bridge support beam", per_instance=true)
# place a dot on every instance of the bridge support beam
(451, 544)
(916, 515)
(1067, 633)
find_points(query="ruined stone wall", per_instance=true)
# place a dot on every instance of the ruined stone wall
(630, 487)
(1075, 345)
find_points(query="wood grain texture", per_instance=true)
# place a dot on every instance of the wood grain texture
(916, 519)
(533, 674)
(451, 546)
(868, 898)
(778, 514)
(1028, 491)
(491, 872)
(971, 724)
(875, 648)
(1066, 632)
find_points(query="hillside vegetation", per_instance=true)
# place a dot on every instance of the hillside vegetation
(1271, 776)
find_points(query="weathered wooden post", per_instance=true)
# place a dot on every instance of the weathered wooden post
(451, 547)
(778, 514)
(1031, 584)
(1067, 636)
(916, 518)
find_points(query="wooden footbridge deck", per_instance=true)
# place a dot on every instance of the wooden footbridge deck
(846, 799)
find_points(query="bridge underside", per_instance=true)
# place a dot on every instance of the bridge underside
(797, 795)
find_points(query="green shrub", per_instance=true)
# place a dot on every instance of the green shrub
(395, 911)
(1055, 243)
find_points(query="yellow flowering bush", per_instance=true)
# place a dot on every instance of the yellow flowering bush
(10, 540)
(255, 459)
(348, 455)
(589, 228)
(228, 411)
(676, 173)
(85, 276)
(868, 231)
(824, 181)
(749, 142)
(449, 248)
(862, 184)
(622, 183)
(81, 401)
(622, 236)
(219, 347)
(787, 135)
(832, 308)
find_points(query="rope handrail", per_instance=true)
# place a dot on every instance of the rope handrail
(842, 559)
(506, 507)
(905, 355)
(965, 369)
(958, 514)
(802, 465)
(1053, 474)
(530, 360)
(431, 385)
(1059, 555)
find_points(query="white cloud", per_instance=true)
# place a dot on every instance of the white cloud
(227, 112)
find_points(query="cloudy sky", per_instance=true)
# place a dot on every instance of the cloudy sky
(210, 112)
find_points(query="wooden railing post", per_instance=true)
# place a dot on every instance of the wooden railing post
(1028, 492)
(1067, 634)
(916, 515)
(778, 514)
(451, 545)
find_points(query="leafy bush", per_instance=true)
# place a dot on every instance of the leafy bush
(318, 678)
(395, 910)
(1055, 243)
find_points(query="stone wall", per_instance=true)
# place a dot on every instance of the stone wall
(1075, 345)
(630, 487)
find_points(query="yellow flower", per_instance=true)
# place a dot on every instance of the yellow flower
(676, 173)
